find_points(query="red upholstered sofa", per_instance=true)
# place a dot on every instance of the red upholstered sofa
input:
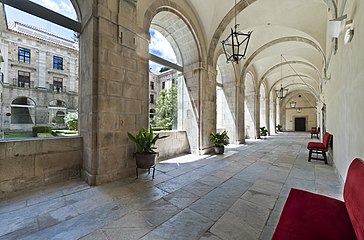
(312, 216)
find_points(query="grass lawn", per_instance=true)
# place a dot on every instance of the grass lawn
(55, 133)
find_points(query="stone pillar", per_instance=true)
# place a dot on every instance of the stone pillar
(199, 106)
(267, 110)
(73, 75)
(114, 89)
(249, 114)
(240, 109)
(42, 69)
(257, 113)
(5, 68)
(274, 116)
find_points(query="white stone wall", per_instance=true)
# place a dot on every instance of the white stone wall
(175, 144)
(343, 93)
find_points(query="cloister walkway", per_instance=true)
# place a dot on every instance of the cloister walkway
(238, 195)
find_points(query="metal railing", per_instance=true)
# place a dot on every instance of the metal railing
(18, 83)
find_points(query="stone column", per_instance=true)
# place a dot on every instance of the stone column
(114, 89)
(5, 68)
(274, 116)
(42, 69)
(257, 113)
(73, 75)
(199, 106)
(240, 109)
(267, 110)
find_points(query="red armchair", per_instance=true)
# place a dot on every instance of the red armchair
(315, 132)
(319, 148)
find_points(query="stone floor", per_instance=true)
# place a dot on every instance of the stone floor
(238, 195)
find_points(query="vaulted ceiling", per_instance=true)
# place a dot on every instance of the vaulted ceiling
(294, 28)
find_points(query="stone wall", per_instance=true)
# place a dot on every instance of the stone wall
(175, 144)
(37, 162)
(343, 93)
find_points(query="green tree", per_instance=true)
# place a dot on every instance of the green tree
(167, 108)
(71, 119)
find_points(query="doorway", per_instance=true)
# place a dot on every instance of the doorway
(300, 124)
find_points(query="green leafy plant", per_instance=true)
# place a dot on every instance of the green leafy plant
(145, 140)
(263, 131)
(279, 128)
(219, 139)
(71, 119)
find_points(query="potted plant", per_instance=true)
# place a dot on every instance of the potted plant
(144, 141)
(279, 128)
(263, 131)
(219, 140)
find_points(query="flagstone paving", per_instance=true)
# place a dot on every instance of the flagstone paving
(238, 195)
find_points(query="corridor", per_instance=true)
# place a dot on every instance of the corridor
(238, 195)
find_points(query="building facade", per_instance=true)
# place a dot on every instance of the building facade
(39, 77)
(157, 83)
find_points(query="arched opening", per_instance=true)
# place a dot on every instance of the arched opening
(263, 107)
(43, 59)
(163, 83)
(177, 83)
(57, 110)
(226, 99)
(23, 113)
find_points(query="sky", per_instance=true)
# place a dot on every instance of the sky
(158, 46)
(63, 7)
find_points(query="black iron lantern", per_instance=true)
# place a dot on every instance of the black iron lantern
(236, 44)
(282, 92)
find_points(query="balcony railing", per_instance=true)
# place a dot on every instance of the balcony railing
(58, 89)
(21, 84)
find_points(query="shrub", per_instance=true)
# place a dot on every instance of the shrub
(71, 119)
(41, 129)
(219, 139)
(58, 120)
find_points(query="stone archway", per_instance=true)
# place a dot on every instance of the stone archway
(170, 20)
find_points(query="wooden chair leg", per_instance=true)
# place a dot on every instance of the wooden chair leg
(324, 155)
(153, 172)
(309, 155)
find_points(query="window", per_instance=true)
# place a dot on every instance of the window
(23, 79)
(24, 55)
(57, 84)
(152, 85)
(151, 98)
(57, 63)
(163, 85)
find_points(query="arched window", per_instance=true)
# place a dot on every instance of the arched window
(23, 111)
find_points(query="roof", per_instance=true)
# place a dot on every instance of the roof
(42, 34)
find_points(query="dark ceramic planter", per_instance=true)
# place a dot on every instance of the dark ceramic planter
(219, 150)
(145, 160)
